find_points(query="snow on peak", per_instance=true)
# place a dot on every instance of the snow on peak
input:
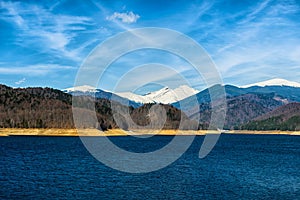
(157, 94)
(274, 82)
(83, 88)
(183, 91)
(164, 95)
(135, 97)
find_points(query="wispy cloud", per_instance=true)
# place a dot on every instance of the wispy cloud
(20, 81)
(249, 41)
(125, 17)
(253, 14)
(51, 32)
(12, 14)
(244, 42)
(34, 70)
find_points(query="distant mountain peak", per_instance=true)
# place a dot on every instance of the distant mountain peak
(83, 88)
(274, 82)
(164, 95)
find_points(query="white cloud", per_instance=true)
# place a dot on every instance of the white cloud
(34, 70)
(45, 30)
(261, 34)
(12, 13)
(128, 17)
(20, 81)
(257, 10)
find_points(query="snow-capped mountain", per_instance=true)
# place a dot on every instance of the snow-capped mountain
(164, 95)
(83, 88)
(99, 93)
(274, 82)
(135, 97)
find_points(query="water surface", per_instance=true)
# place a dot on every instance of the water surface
(240, 166)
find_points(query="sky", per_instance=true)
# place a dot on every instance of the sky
(44, 43)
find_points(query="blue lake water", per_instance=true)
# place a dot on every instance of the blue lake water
(239, 167)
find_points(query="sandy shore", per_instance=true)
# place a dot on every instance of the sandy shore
(92, 132)
(119, 132)
(270, 132)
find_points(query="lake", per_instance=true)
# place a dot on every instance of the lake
(239, 167)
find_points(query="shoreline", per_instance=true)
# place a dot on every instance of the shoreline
(118, 132)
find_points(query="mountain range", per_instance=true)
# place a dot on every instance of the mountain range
(274, 82)
(273, 104)
(167, 95)
(244, 104)
(164, 95)
(87, 90)
(51, 108)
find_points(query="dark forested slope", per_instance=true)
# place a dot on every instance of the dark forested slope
(50, 108)
(286, 117)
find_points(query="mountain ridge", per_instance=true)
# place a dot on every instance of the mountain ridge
(51, 108)
(273, 82)
(36, 107)
(166, 95)
(286, 117)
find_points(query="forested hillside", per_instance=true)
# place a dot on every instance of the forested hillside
(284, 118)
(50, 108)
(241, 109)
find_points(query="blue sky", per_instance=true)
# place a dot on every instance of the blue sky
(43, 43)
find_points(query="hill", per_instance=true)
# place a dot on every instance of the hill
(283, 93)
(246, 109)
(51, 108)
(241, 109)
(286, 117)
(100, 94)
(166, 116)
(42, 108)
